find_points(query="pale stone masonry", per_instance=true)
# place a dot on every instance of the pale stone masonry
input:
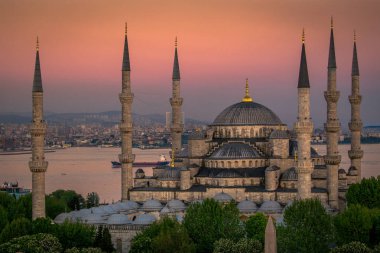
(126, 157)
(176, 103)
(332, 127)
(304, 128)
(38, 165)
(355, 125)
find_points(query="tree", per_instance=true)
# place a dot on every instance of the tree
(17, 228)
(352, 247)
(3, 218)
(38, 243)
(43, 225)
(73, 200)
(92, 200)
(308, 228)
(106, 243)
(55, 206)
(255, 226)
(83, 250)
(75, 235)
(365, 193)
(353, 224)
(166, 235)
(209, 221)
(241, 246)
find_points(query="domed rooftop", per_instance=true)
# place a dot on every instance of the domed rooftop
(247, 206)
(290, 175)
(223, 197)
(279, 134)
(151, 205)
(61, 218)
(93, 218)
(235, 150)
(118, 219)
(247, 113)
(176, 205)
(144, 219)
(270, 206)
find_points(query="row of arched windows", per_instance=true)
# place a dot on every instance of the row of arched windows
(236, 164)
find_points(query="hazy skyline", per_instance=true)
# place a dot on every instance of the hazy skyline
(220, 44)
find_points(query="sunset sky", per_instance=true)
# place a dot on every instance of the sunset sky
(220, 44)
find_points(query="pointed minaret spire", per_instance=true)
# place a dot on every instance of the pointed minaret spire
(332, 61)
(355, 65)
(37, 81)
(303, 79)
(176, 73)
(126, 63)
(247, 98)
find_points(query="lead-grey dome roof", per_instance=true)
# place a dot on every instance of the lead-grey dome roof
(151, 205)
(270, 206)
(247, 206)
(290, 175)
(223, 197)
(247, 113)
(235, 150)
(176, 205)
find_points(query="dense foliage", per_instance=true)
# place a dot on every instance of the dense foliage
(164, 236)
(308, 228)
(365, 193)
(38, 243)
(352, 247)
(242, 246)
(216, 221)
(255, 226)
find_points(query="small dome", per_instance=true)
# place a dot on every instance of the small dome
(272, 168)
(108, 209)
(165, 210)
(151, 205)
(61, 218)
(223, 197)
(247, 206)
(290, 175)
(129, 205)
(98, 210)
(75, 216)
(140, 173)
(176, 205)
(144, 219)
(235, 150)
(270, 207)
(118, 219)
(247, 113)
(352, 171)
(279, 134)
(341, 171)
(93, 218)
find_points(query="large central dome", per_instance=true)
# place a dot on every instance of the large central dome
(247, 113)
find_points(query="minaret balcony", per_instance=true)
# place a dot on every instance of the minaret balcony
(38, 165)
(355, 154)
(303, 127)
(126, 98)
(332, 159)
(38, 128)
(125, 127)
(126, 158)
(355, 99)
(355, 125)
(332, 96)
(332, 126)
(176, 101)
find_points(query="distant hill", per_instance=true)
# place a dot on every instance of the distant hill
(108, 118)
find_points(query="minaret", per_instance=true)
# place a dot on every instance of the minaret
(332, 127)
(355, 154)
(303, 128)
(176, 103)
(38, 165)
(126, 157)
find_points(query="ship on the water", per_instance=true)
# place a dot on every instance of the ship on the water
(14, 189)
(161, 162)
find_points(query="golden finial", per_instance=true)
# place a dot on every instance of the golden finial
(175, 42)
(354, 36)
(126, 28)
(247, 98)
(303, 35)
(38, 45)
(295, 156)
(332, 23)
(172, 161)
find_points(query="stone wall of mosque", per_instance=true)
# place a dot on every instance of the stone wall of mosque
(122, 235)
(280, 148)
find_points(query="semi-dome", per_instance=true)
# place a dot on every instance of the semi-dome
(247, 206)
(144, 219)
(247, 113)
(151, 205)
(118, 219)
(235, 150)
(270, 206)
(176, 205)
(290, 175)
(223, 197)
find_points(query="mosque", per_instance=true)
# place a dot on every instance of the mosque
(247, 155)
